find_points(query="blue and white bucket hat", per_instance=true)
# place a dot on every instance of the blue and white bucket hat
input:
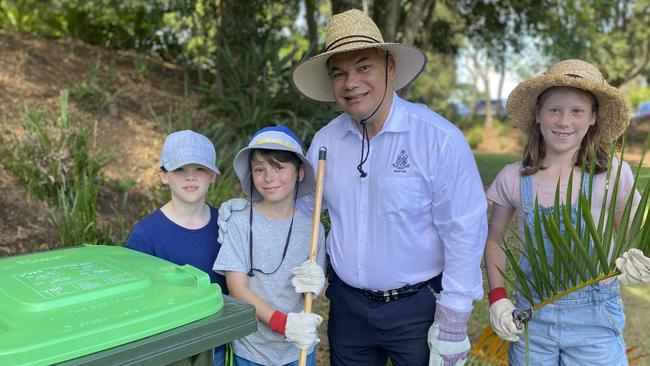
(273, 138)
(188, 147)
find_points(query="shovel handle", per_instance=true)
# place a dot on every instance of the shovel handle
(315, 225)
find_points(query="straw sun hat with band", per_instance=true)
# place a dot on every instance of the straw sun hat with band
(349, 31)
(353, 30)
(612, 114)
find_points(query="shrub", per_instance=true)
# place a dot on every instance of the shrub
(52, 159)
(474, 136)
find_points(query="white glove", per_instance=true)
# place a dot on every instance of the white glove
(502, 322)
(446, 353)
(447, 338)
(225, 210)
(634, 267)
(309, 277)
(301, 329)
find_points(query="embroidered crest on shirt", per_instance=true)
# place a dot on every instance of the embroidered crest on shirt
(401, 163)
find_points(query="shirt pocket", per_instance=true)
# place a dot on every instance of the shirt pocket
(401, 198)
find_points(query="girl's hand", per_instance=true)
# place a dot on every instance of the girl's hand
(502, 321)
(634, 267)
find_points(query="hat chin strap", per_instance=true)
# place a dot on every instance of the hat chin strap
(364, 126)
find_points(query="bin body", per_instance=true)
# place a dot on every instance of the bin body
(64, 304)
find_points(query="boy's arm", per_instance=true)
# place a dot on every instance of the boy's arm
(238, 287)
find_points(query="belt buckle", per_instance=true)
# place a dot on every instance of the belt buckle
(390, 295)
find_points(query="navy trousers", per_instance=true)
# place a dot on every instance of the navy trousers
(366, 332)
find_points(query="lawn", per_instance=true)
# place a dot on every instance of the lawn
(636, 298)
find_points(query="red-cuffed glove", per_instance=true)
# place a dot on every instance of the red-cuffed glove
(297, 328)
(501, 319)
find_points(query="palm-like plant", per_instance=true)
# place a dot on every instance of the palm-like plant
(582, 253)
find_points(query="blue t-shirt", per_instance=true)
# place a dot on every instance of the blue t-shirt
(159, 236)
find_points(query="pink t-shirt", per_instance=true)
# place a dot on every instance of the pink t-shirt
(505, 191)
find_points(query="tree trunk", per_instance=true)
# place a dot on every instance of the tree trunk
(429, 9)
(312, 27)
(339, 6)
(483, 72)
(502, 77)
(413, 22)
(386, 14)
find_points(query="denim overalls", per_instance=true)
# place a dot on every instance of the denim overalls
(582, 328)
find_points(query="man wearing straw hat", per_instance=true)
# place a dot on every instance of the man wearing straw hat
(406, 203)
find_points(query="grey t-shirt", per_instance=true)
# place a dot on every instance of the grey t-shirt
(269, 237)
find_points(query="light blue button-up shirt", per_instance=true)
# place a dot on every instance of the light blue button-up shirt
(420, 211)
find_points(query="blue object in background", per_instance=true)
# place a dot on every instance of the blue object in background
(643, 111)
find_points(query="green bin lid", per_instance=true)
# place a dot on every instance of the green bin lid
(67, 303)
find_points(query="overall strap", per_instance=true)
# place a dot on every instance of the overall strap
(527, 197)
(586, 187)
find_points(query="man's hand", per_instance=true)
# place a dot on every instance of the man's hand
(309, 277)
(225, 210)
(301, 329)
(634, 267)
(501, 320)
(448, 342)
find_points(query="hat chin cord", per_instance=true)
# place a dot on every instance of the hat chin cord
(250, 226)
(364, 126)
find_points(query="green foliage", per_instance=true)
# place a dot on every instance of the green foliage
(474, 136)
(52, 159)
(75, 214)
(97, 94)
(637, 96)
(611, 34)
(50, 154)
(434, 87)
(584, 252)
(254, 91)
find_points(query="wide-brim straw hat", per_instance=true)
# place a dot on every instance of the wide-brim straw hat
(612, 116)
(273, 138)
(349, 31)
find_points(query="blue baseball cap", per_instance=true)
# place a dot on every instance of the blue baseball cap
(188, 147)
(273, 138)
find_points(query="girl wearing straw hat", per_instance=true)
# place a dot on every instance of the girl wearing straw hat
(400, 222)
(267, 244)
(571, 116)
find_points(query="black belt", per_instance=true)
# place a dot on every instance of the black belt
(394, 294)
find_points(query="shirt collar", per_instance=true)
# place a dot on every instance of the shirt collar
(395, 122)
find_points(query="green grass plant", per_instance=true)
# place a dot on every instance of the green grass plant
(97, 94)
(50, 153)
(52, 159)
(75, 215)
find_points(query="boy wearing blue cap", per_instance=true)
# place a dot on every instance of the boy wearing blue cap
(184, 230)
(267, 243)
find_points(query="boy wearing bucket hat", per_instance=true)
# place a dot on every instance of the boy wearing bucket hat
(184, 230)
(267, 244)
(408, 215)
(571, 116)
